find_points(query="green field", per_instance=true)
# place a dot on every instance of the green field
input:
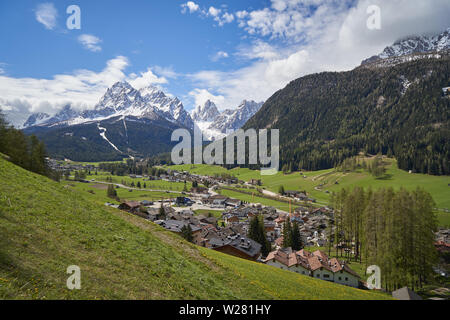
(438, 186)
(152, 185)
(255, 199)
(97, 192)
(46, 227)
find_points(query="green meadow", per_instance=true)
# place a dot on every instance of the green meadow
(317, 183)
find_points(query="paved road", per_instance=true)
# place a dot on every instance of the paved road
(130, 188)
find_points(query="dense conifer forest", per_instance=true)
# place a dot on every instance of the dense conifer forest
(399, 111)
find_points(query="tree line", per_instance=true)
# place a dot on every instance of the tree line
(25, 151)
(391, 229)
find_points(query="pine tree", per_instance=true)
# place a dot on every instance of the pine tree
(296, 239)
(287, 233)
(186, 233)
(111, 192)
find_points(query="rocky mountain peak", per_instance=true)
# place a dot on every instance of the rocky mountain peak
(414, 45)
(208, 112)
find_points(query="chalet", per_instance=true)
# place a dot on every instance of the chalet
(152, 214)
(316, 264)
(235, 203)
(279, 222)
(238, 246)
(287, 260)
(217, 201)
(176, 227)
(292, 194)
(207, 220)
(229, 218)
(129, 206)
(301, 210)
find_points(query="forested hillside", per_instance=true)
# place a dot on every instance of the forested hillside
(25, 151)
(399, 111)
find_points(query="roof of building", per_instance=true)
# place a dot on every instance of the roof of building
(176, 226)
(131, 204)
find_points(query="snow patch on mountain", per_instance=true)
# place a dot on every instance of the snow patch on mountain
(414, 45)
(103, 135)
(36, 119)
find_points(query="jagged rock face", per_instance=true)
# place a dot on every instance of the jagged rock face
(35, 119)
(169, 107)
(414, 45)
(231, 120)
(208, 112)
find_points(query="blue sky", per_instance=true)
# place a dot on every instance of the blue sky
(226, 51)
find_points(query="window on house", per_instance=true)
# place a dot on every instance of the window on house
(346, 279)
(318, 276)
(326, 275)
(340, 278)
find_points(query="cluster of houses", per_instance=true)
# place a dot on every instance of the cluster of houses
(298, 196)
(229, 233)
(317, 265)
(68, 166)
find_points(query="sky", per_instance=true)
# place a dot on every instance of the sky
(225, 51)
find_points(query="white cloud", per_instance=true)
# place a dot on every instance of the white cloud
(227, 17)
(82, 89)
(316, 36)
(46, 14)
(200, 96)
(144, 79)
(167, 72)
(213, 11)
(191, 6)
(258, 50)
(220, 55)
(90, 42)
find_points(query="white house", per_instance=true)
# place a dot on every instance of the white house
(316, 265)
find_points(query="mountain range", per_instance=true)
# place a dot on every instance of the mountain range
(216, 125)
(119, 122)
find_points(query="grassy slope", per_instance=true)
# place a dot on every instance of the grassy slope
(45, 227)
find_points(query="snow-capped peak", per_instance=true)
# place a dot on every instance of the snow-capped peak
(414, 45)
(36, 119)
(124, 100)
(208, 112)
